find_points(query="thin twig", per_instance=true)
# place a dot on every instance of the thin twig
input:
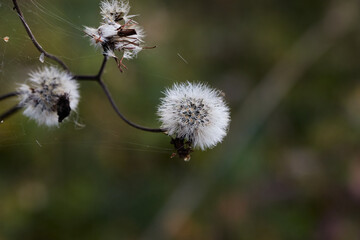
(33, 39)
(8, 95)
(102, 67)
(10, 112)
(97, 78)
(86, 77)
(113, 104)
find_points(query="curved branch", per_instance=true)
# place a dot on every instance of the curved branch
(33, 39)
(8, 95)
(97, 78)
(113, 104)
(9, 112)
(86, 77)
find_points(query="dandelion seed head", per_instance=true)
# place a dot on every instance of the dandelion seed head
(48, 96)
(196, 113)
(118, 31)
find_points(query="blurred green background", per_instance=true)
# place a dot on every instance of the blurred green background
(288, 169)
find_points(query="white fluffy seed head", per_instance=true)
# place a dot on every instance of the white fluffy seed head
(196, 113)
(48, 96)
(118, 31)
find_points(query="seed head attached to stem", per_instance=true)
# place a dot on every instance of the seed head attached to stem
(195, 115)
(117, 32)
(49, 96)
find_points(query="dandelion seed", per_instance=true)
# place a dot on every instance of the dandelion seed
(6, 39)
(42, 57)
(195, 115)
(49, 96)
(182, 58)
(117, 32)
(38, 143)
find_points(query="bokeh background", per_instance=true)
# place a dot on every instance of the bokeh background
(288, 169)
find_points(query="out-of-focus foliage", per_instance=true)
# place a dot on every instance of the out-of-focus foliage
(298, 176)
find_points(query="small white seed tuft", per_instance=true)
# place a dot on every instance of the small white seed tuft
(195, 113)
(48, 96)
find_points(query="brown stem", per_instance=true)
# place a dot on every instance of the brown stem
(33, 39)
(97, 78)
(113, 104)
(10, 112)
(8, 95)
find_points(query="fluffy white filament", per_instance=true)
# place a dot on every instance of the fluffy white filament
(42, 92)
(196, 113)
(118, 31)
(113, 10)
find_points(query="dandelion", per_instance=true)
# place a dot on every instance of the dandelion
(49, 96)
(117, 32)
(195, 115)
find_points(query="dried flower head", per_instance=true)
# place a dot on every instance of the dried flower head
(49, 95)
(195, 113)
(117, 32)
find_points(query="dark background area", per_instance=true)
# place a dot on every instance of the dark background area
(288, 169)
